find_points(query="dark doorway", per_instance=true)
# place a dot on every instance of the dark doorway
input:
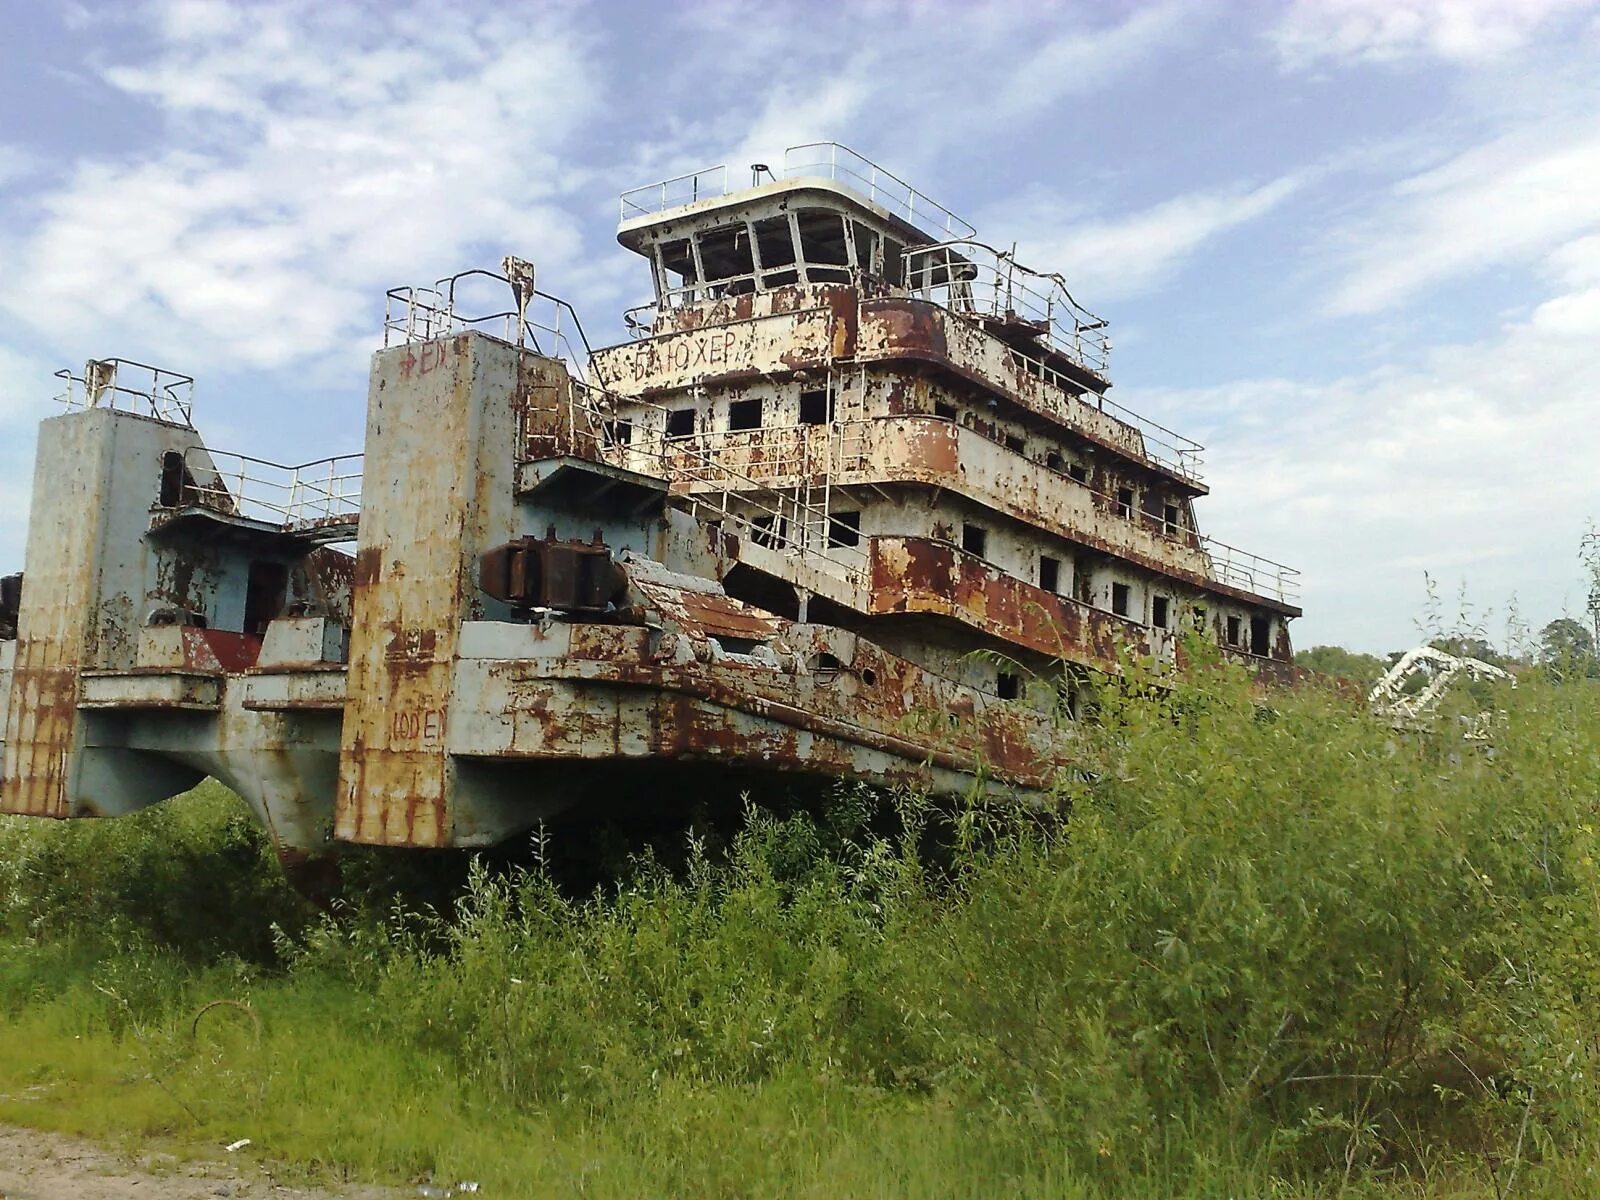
(264, 595)
(1261, 636)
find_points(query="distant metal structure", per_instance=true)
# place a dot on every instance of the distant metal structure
(1389, 699)
(845, 445)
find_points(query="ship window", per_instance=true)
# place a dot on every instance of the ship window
(822, 242)
(1169, 518)
(1124, 502)
(744, 414)
(893, 260)
(1052, 459)
(816, 407)
(775, 245)
(974, 539)
(1049, 573)
(171, 479)
(680, 423)
(770, 531)
(678, 262)
(844, 529)
(944, 409)
(868, 257)
(1015, 444)
(1078, 471)
(1261, 636)
(1233, 631)
(1159, 612)
(1119, 599)
(825, 666)
(1007, 686)
(617, 433)
(726, 256)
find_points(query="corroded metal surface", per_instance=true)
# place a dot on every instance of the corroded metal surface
(844, 507)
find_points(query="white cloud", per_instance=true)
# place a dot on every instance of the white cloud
(26, 391)
(313, 156)
(15, 163)
(1463, 31)
(909, 81)
(1108, 259)
(1507, 202)
(1084, 60)
(1477, 465)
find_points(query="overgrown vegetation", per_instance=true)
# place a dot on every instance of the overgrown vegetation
(1269, 952)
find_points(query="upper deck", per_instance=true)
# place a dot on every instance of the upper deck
(827, 166)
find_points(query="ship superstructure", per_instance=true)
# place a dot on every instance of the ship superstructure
(851, 502)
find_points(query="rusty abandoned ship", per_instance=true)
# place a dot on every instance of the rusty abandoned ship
(850, 503)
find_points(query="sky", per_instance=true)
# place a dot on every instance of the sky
(1352, 246)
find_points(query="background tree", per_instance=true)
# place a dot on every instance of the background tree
(1364, 669)
(1566, 647)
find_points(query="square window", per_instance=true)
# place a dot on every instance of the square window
(617, 433)
(771, 531)
(744, 414)
(680, 423)
(1261, 636)
(974, 539)
(816, 407)
(1160, 612)
(1119, 599)
(1078, 471)
(1052, 459)
(1015, 444)
(844, 529)
(1049, 573)
(1008, 686)
(944, 410)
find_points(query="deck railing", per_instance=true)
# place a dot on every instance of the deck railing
(814, 160)
(1250, 572)
(130, 386)
(297, 497)
(977, 280)
(486, 301)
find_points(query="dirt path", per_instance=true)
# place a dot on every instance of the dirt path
(49, 1166)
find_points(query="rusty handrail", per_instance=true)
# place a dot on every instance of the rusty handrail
(152, 391)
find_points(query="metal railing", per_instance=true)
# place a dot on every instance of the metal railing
(1250, 572)
(977, 280)
(797, 520)
(296, 497)
(1183, 456)
(814, 160)
(136, 387)
(830, 160)
(470, 300)
(767, 454)
(675, 192)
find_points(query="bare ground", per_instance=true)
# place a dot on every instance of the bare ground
(51, 1166)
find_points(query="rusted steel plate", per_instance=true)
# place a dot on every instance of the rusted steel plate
(917, 575)
(767, 345)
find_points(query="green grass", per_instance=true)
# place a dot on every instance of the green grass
(1273, 952)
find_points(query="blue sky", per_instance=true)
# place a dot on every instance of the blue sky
(1352, 246)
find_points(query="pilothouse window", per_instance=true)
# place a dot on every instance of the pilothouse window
(677, 264)
(775, 246)
(725, 254)
(823, 245)
(869, 255)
